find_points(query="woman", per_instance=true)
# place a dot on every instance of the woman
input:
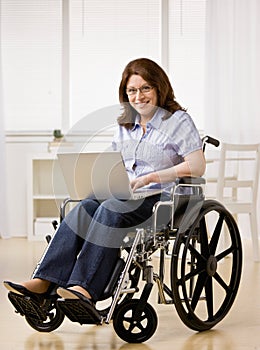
(159, 142)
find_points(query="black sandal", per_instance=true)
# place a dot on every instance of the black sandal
(21, 290)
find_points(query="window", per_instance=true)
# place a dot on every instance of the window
(105, 36)
(31, 56)
(102, 37)
(186, 54)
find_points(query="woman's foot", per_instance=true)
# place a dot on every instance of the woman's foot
(81, 290)
(36, 285)
(75, 292)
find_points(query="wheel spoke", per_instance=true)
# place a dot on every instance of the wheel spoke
(225, 253)
(135, 324)
(143, 317)
(131, 327)
(128, 319)
(200, 265)
(209, 297)
(198, 290)
(195, 253)
(204, 238)
(194, 272)
(139, 326)
(220, 280)
(216, 234)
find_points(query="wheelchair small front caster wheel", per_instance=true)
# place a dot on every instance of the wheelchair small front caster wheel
(54, 318)
(43, 318)
(134, 325)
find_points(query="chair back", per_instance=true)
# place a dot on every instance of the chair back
(238, 171)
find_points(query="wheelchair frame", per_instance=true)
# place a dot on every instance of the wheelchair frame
(197, 261)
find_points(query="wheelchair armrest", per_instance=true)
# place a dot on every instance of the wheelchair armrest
(188, 180)
(64, 205)
(194, 183)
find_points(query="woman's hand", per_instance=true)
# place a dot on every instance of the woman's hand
(139, 182)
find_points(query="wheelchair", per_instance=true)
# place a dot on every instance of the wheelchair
(203, 242)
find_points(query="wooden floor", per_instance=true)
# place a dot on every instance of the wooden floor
(240, 329)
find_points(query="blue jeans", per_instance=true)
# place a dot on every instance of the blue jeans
(85, 247)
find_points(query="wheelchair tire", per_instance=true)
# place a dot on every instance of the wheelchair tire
(206, 267)
(54, 318)
(132, 327)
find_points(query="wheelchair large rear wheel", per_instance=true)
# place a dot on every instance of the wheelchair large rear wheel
(206, 267)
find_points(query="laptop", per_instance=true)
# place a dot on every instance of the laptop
(100, 175)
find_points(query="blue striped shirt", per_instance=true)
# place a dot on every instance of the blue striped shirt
(164, 144)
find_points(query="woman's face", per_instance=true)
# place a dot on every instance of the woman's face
(142, 96)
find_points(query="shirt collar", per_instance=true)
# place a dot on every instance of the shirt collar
(155, 122)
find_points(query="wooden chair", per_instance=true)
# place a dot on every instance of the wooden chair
(237, 184)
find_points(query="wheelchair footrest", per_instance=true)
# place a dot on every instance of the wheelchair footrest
(77, 311)
(27, 307)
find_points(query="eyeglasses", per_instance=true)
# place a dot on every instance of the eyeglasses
(145, 89)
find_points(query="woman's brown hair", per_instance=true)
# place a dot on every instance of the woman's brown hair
(155, 76)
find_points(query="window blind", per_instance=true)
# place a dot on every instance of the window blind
(105, 36)
(31, 56)
(187, 54)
